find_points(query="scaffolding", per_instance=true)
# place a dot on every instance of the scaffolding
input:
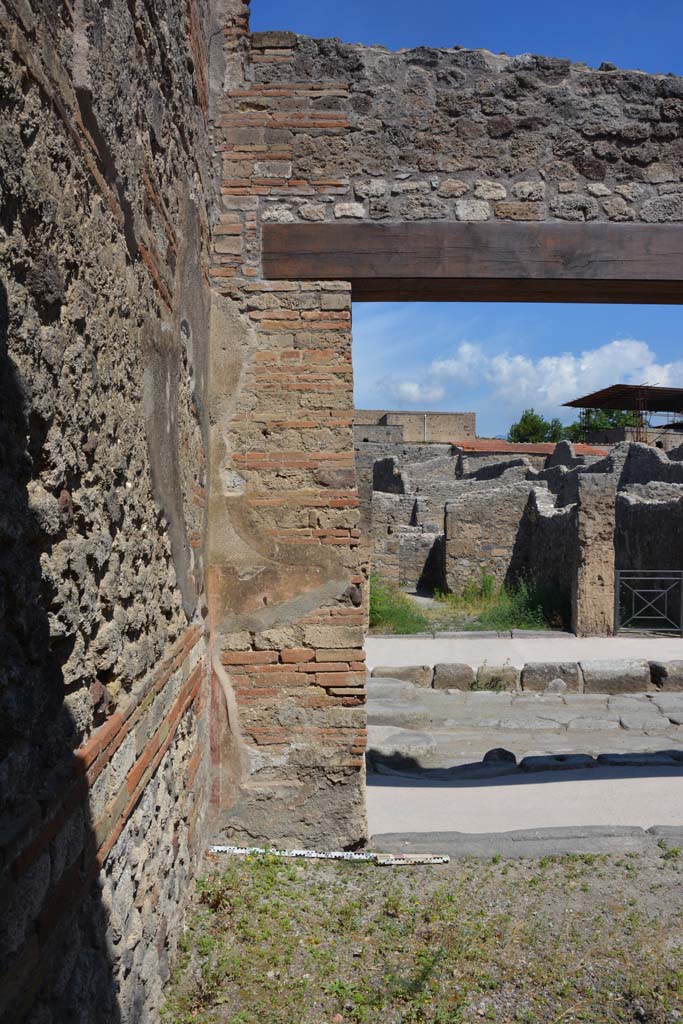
(642, 400)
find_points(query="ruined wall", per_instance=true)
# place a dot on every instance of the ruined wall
(481, 530)
(593, 587)
(103, 372)
(377, 554)
(649, 528)
(545, 553)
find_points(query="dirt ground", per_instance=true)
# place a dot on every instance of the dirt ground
(579, 938)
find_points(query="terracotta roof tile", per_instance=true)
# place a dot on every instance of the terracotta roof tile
(495, 446)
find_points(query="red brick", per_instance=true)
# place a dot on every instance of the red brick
(325, 666)
(297, 654)
(346, 654)
(354, 679)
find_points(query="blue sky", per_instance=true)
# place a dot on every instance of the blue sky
(500, 358)
(630, 33)
(497, 359)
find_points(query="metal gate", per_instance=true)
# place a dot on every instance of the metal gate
(649, 601)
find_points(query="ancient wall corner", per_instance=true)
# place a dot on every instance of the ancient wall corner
(284, 592)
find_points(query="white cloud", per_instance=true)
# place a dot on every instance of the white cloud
(499, 361)
(464, 367)
(416, 391)
(515, 381)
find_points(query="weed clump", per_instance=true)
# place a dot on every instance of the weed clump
(392, 611)
(484, 605)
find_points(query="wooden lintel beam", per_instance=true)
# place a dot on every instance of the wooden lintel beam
(493, 261)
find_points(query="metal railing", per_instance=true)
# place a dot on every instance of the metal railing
(648, 601)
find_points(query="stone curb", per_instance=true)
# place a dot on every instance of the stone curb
(594, 676)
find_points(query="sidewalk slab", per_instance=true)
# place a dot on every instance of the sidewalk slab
(518, 651)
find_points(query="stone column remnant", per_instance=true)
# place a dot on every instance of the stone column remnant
(593, 589)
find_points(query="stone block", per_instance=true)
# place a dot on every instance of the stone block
(538, 675)
(663, 209)
(312, 211)
(353, 210)
(472, 209)
(472, 634)
(419, 675)
(388, 743)
(641, 759)
(453, 677)
(328, 637)
(452, 188)
(273, 40)
(616, 676)
(372, 189)
(499, 754)
(520, 211)
(529, 191)
(667, 675)
(489, 190)
(386, 688)
(498, 677)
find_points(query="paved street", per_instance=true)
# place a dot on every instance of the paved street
(617, 797)
(572, 760)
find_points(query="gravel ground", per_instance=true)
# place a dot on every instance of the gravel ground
(539, 941)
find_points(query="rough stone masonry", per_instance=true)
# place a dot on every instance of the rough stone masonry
(180, 523)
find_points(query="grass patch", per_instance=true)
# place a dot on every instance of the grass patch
(485, 605)
(391, 611)
(582, 939)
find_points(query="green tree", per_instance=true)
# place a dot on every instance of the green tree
(533, 428)
(601, 419)
(556, 430)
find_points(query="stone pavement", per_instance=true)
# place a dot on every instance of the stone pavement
(522, 647)
(440, 729)
(484, 762)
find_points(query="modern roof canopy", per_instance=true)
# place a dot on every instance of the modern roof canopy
(639, 397)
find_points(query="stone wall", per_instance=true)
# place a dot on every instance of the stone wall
(405, 541)
(317, 131)
(649, 528)
(659, 437)
(481, 531)
(365, 433)
(545, 552)
(104, 236)
(421, 427)
(439, 134)
(434, 427)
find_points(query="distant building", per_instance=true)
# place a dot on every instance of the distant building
(402, 427)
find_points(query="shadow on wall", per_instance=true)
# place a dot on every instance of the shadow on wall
(55, 963)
